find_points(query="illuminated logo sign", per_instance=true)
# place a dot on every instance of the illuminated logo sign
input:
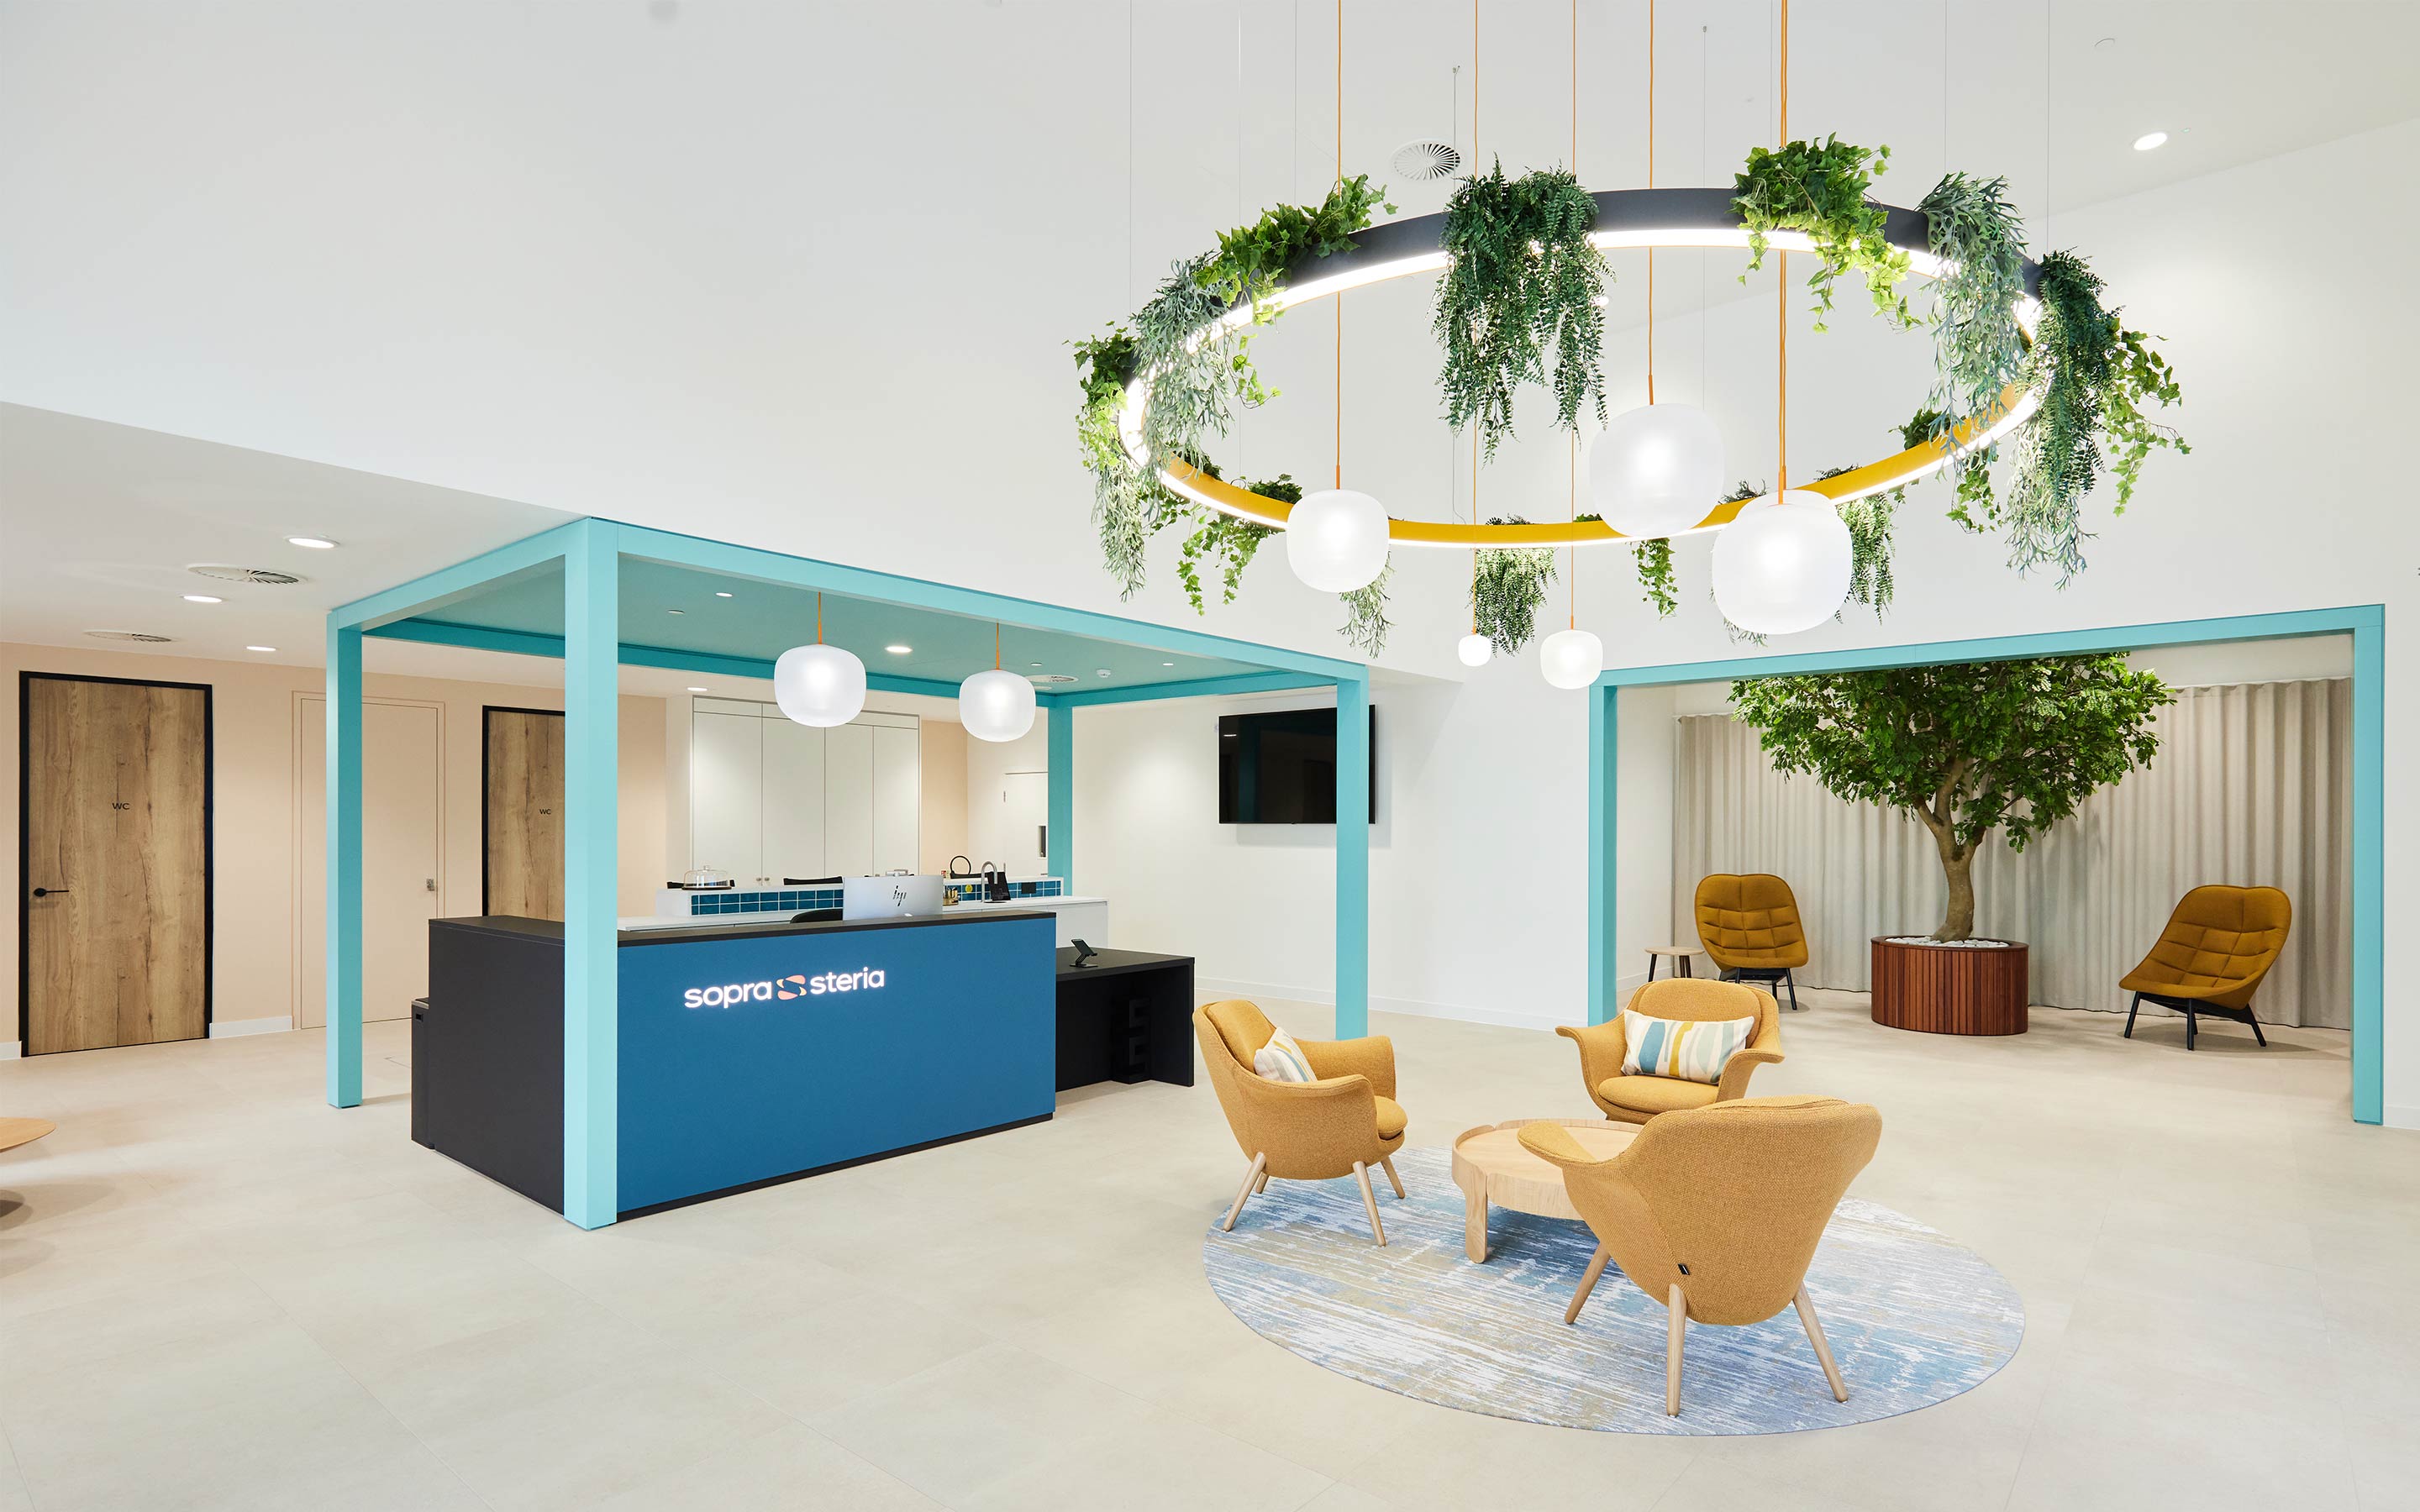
(732, 994)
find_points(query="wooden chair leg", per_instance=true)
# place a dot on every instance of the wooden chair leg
(1387, 1164)
(1822, 1350)
(1676, 1330)
(1262, 1185)
(1253, 1180)
(1587, 1283)
(1370, 1201)
(2133, 1009)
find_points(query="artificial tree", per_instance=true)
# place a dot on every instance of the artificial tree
(1968, 749)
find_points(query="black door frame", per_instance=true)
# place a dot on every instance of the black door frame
(487, 718)
(26, 679)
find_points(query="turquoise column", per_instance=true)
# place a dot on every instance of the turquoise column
(344, 866)
(1352, 858)
(1060, 734)
(591, 985)
(2369, 869)
(1603, 889)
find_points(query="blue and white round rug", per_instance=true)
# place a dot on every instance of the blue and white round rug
(1913, 1319)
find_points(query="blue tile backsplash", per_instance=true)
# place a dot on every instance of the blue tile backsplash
(799, 899)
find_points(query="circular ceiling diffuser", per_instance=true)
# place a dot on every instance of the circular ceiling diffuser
(261, 576)
(1040, 678)
(143, 636)
(1425, 162)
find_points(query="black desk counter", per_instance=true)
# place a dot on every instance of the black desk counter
(1125, 1016)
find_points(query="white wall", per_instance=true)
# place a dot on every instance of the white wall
(562, 244)
(988, 762)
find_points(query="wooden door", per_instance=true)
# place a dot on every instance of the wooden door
(403, 800)
(117, 823)
(524, 814)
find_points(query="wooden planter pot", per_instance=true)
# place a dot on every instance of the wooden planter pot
(1950, 989)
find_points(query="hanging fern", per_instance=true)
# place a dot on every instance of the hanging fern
(1198, 381)
(1521, 275)
(1365, 615)
(1659, 584)
(1978, 348)
(2092, 376)
(1507, 588)
(1103, 365)
(1251, 258)
(1819, 187)
(1228, 540)
(1870, 521)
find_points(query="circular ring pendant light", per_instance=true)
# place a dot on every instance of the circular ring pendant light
(819, 685)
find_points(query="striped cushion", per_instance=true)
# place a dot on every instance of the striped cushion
(1689, 1050)
(1282, 1060)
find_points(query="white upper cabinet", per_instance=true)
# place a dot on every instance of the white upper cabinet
(770, 798)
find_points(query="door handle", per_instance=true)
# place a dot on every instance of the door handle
(49, 892)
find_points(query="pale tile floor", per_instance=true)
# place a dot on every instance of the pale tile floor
(217, 1292)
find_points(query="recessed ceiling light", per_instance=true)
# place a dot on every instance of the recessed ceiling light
(1167, 663)
(1034, 664)
(261, 648)
(315, 543)
(2148, 139)
(697, 690)
(675, 611)
(204, 598)
(720, 594)
(899, 651)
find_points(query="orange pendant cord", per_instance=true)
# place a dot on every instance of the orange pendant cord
(1781, 301)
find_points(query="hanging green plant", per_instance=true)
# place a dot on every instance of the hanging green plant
(1507, 588)
(1978, 350)
(1228, 540)
(1819, 187)
(1365, 615)
(1659, 584)
(1250, 257)
(1197, 380)
(1103, 364)
(1521, 275)
(1869, 520)
(2093, 378)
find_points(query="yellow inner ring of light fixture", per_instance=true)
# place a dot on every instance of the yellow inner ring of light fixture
(2014, 404)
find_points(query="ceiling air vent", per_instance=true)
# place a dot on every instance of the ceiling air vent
(260, 577)
(137, 635)
(1040, 679)
(1426, 162)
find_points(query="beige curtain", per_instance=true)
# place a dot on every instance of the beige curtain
(2253, 784)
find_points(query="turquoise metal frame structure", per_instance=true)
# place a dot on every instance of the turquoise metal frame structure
(591, 553)
(2365, 622)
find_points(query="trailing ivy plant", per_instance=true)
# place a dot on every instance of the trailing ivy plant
(1506, 587)
(1819, 187)
(1870, 521)
(1521, 275)
(1978, 349)
(1228, 540)
(2093, 378)
(1365, 615)
(1658, 583)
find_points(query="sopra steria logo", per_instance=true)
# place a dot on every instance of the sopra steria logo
(731, 994)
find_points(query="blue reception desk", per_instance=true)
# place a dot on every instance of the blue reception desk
(749, 1054)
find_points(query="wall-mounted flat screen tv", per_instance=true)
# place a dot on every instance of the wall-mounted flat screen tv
(1280, 768)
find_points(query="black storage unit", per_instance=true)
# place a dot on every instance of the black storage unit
(487, 1051)
(1126, 1016)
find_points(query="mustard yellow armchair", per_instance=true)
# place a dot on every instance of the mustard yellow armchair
(2219, 944)
(1342, 1124)
(1750, 928)
(1638, 1096)
(1742, 1190)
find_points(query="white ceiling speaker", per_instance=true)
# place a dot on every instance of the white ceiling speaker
(137, 635)
(1425, 162)
(996, 705)
(819, 685)
(1780, 568)
(1571, 659)
(260, 577)
(1336, 540)
(1656, 470)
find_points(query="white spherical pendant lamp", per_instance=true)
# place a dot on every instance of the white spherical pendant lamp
(1336, 540)
(819, 685)
(1474, 649)
(1571, 659)
(1782, 567)
(1656, 470)
(995, 705)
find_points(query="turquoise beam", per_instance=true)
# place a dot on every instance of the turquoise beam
(1194, 687)
(2365, 622)
(591, 988)
(1061, 735)
(1603, 890)
(343, 785)
(2369, 871)
(535, 643)
(801, 572)
(1352, 858)
(438, 588)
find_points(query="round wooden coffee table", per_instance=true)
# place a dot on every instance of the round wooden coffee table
(1491, 1167)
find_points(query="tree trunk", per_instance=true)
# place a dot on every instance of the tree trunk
(1958, 921)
